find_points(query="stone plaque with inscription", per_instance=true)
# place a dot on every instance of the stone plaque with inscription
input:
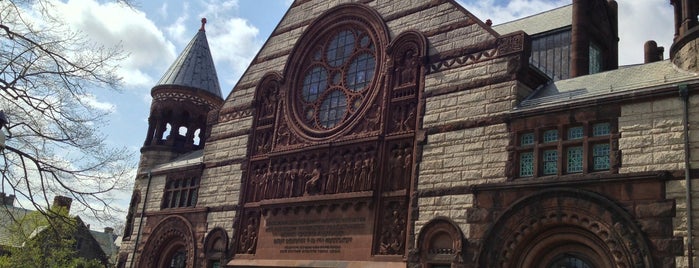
(320, 233)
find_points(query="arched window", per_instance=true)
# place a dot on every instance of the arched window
(178, 259)
(166, 133)
(568, 260)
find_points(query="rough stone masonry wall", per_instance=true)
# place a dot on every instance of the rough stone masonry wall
(155, 195)
(652, 140)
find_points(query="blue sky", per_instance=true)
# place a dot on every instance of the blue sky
(154, 33)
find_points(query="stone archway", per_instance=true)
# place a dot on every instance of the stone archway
(551, 225)
(440, 243)
(171, 239)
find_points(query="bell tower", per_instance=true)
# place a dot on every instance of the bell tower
(182, 100)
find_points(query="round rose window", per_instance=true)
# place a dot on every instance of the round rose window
(336, 79)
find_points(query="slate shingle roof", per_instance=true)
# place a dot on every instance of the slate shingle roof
(194, 67)
(539, 23)
(629, 79)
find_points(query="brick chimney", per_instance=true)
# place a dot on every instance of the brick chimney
(652, 52)
(7, 200)
(62, 201)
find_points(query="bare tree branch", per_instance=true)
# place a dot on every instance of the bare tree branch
(47, 72)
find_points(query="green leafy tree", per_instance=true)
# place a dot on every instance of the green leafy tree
(45, 240)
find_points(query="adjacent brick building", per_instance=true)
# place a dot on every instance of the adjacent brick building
(413, 134)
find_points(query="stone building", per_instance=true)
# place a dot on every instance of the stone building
(413, 134)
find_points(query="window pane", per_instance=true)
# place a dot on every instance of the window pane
(527, 139)
(600, 129)
(315, 82)
(333, 109)
(360, 72)
(575, 133)
(340, 48)
(575, 159)
(550, 135)
(600, 154)
(595, 59)
(550, 162)
(526, 164)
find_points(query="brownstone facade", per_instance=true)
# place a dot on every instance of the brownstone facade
(412, 134)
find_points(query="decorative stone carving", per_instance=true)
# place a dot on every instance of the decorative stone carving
(393, 228)
(248, 234)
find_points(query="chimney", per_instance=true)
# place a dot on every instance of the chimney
(108, 230)
(7, 200)
(652, 52)
(62, 201)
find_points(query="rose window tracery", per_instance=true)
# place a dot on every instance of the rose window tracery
(336, 81)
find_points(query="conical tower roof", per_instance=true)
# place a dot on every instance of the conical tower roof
(194, 67)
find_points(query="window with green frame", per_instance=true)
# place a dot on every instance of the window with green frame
(576, 148)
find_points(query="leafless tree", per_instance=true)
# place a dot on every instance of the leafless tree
(48, 76)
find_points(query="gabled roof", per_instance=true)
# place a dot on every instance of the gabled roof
(539, 23)
(194, 67)
(106, 241)
(626, 80)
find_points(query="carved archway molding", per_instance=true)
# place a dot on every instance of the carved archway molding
(170, 234)
(216, 245)
(557, 216)
(435, 229)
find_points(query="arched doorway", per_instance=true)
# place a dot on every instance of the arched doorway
(170, 245)
(564, 227)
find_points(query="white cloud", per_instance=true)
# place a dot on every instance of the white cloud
(92, 101)
(163, 10)
(233, 44)
(113, 24)
(515, 9)
(640, 21)
(177, 30)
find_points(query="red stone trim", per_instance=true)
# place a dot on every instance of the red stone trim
(170, 232)
(509, 241)
(430, 231)
(506, 45)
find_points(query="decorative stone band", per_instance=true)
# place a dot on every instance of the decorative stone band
(505, 45)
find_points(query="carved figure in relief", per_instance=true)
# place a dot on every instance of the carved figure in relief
(371, 120)
(396, 163)
(291, 180)
(357, 179)
(407, 164)
(407, 68)
(281, 179)
(248, 238)
(372, 170)
(313, 184)
(255, 185)
(269, 100)
(331, 181)
(283, 136)
(264, 184)
(363, 173)
(393, 234)
(349, 176)
(340, 175)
